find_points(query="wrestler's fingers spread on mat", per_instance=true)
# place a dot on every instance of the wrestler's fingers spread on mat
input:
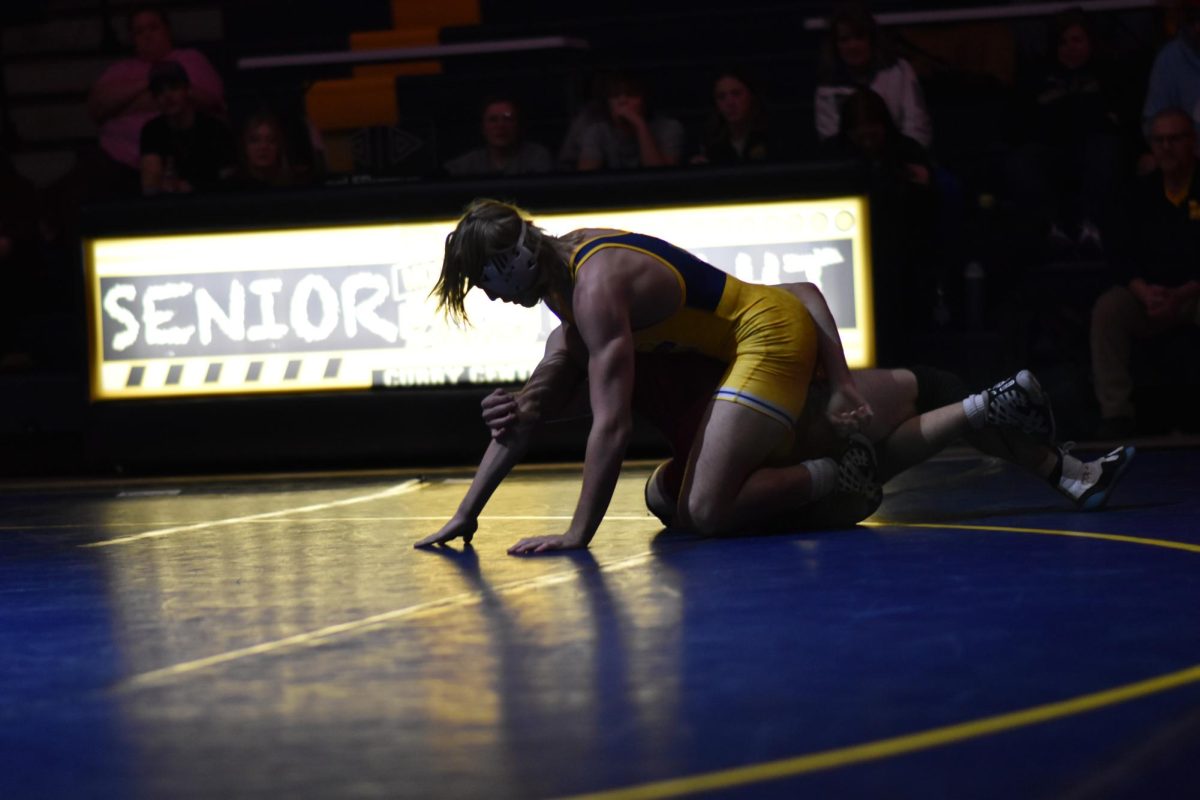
(537, 544)
(450, 531)
(432, 539)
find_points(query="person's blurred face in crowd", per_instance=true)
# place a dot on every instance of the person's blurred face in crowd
(733, 99)
(262, 147)
(853, 47)
(626, 103)
(500, 125)
(1173, 143)
(869, 137)
(172, 99)
(1074, 47)
(151, 37)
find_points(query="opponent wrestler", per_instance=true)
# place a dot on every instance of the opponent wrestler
(916, 413)
(617, 293)
(913, 415)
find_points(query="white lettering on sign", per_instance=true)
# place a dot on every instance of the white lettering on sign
(364, 313)
(128, 335)
(232, 323)
(327, 299)
(155, 318)
(266, 289)
(313, 309)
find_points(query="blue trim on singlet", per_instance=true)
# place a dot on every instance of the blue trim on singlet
(703, 283)
(770, 409)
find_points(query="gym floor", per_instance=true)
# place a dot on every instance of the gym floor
(277, 637)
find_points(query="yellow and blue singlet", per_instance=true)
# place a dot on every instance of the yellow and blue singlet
(764, 334)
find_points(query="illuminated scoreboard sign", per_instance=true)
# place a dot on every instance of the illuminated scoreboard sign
(311, 309)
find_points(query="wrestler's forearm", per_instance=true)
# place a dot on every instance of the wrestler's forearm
(555, 381)
(610, 385)
(547, 394)
(601, 469)
(830, 351)
(498, 461)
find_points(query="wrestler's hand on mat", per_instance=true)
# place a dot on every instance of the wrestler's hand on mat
(501, 413)
(453, 529)
(848, 412)
(543, 544)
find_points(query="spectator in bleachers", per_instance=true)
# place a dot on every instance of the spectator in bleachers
(183, 149)
(631, 135)
(1159, 267)
(505, 150)
(903, 217)
(1175, 77)
(856, 55)
(736, 131)
(592, 112)
(1063, 174)
(121, 102)
(263, 159)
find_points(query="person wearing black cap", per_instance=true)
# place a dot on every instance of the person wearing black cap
(120, 102)
(183, 149)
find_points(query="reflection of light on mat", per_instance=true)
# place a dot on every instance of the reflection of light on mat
(321, 635)
(403, 488)
(935, 737)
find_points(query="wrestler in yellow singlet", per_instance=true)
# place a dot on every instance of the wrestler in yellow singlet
(763, 333)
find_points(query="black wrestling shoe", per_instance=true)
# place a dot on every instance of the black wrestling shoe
(1019, 402)
(1091, 490)
(858, 488)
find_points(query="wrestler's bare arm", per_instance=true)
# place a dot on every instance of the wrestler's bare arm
(555, 376)
(602, 314)
(555, 390)
(847, 410)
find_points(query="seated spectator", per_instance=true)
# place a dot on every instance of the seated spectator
(183, 149)
(631, 135)
(263, 161)
(867, 130)
(1159, 266)
(504, 151)
(592, 112)
(736, 131)
(1061, 177)
(855, 55)
(120, 101)
(903, 218)
(1175, 77)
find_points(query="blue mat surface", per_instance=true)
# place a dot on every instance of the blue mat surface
(280, 637)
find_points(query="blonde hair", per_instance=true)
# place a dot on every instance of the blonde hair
(487, 227)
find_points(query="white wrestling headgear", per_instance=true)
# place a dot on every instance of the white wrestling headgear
(512, 271)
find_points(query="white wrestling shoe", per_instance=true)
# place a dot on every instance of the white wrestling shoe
(1019, 402)
(1097, 479)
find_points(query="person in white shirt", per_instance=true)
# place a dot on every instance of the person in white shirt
(856, 55)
